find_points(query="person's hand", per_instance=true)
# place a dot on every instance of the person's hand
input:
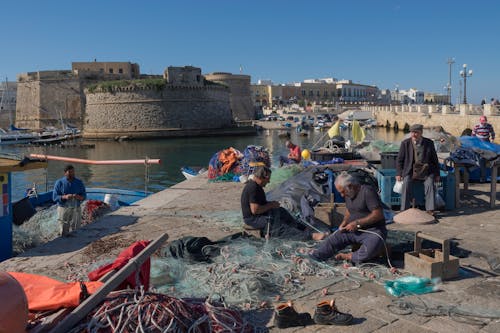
(353, 226)
(78, 197)
(275, 204)
(398, 178)
(68, 196)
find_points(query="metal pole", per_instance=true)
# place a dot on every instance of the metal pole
(450, 62)
(465, 85)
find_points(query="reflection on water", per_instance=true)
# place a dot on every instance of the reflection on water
(173, 152)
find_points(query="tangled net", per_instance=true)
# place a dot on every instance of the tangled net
(139, 311)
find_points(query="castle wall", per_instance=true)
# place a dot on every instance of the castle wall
(128, 110)
(44, 98)
(239, 85)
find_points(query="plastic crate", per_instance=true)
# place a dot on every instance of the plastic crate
(388, 160)
(322, 156)
(386, 179)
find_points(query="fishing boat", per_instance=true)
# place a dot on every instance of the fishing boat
(191, 172)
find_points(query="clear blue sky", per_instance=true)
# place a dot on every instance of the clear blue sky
(384, 43)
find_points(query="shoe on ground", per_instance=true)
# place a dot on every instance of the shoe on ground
(286, 316)
(327, 314)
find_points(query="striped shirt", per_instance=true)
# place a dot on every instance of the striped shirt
(484, 132)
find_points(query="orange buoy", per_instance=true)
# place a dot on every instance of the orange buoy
(14, 312)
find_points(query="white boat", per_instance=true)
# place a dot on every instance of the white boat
(16, 137)
(191, 172)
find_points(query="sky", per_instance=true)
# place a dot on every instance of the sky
(387, 43)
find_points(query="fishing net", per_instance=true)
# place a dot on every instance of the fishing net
(43, 226)
(138, 311)
(249, 272)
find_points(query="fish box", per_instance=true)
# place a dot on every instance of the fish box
(329, 213)
(431, 263)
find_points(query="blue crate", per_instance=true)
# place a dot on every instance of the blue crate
(387, 178)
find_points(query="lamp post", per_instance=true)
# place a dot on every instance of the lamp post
(465, 75)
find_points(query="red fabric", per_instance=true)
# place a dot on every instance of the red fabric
(121, 261)
(44, 293)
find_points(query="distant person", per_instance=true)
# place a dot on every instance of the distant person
(483, 102)
(261, 214)
(294, 155)
(417, 161)
(69, 192)
(484, 130)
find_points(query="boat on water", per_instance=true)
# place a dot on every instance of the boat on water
(27, 207)
(16, 137)
(191, 172)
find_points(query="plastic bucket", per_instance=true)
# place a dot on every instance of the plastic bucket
(111, 200)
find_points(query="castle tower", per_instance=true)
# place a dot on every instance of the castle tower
(240, 97)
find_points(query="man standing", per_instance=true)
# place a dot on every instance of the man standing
(417, 161)
(261, 214)
(363, 223)
(68, 193)
(293, 156)
(484, 130)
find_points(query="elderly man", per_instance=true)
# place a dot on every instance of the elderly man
(294, 155)
(417, 161)
(261, 214)
(363, 223)
(68, 193)
(484, 130)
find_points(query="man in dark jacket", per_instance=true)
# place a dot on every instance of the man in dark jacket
(417, 154)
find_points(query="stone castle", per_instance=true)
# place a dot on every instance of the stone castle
(106, 99)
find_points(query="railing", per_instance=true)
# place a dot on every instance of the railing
(146, 162)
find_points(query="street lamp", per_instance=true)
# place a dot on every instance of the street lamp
(465, 75)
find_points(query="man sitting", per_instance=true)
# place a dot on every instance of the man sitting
(261, 214)
(294, 155)
(363, 223)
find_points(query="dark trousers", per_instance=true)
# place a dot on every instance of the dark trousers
(278, 220)
(370, 244)
(429, 190)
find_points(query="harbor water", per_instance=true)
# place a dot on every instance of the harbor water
(173, 152)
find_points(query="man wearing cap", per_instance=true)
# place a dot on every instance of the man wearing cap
(417, 161)
(484, 130)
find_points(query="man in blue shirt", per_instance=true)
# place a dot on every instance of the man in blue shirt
(68, 193)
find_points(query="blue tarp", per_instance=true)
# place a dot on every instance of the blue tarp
(474, 142)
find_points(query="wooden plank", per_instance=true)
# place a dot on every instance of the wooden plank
(90, 303)
(493, 190)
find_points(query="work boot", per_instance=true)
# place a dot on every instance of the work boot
(286, 316)
(327, 314)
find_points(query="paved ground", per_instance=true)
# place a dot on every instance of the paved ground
(193, 208)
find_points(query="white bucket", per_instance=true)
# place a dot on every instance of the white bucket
(112, 201)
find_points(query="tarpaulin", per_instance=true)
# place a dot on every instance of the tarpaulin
(122, 259)
(44, 293)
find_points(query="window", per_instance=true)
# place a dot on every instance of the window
(120, 70)
(111, 71)
(303, 92)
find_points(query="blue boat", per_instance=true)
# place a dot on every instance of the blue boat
(25, 208)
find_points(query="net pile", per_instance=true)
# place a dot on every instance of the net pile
(43, 226)
(250, 272)
(129, 311)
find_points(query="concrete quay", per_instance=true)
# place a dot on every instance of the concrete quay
(196, 207)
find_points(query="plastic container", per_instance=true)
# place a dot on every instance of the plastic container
(112, 201)
(386, 179)
(388, 160)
